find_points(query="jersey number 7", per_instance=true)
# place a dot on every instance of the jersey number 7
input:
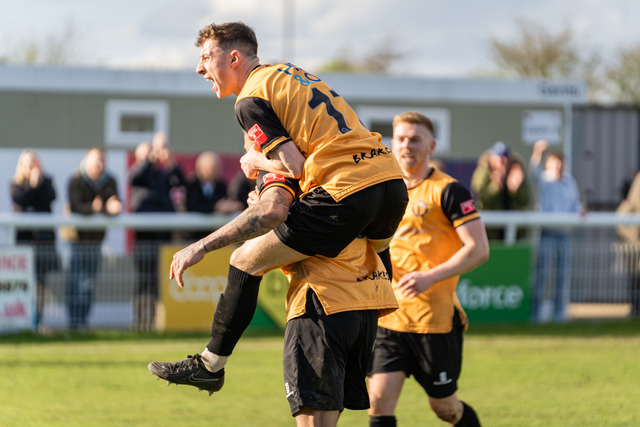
(318, 98)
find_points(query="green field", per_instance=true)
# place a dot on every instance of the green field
(580, 374)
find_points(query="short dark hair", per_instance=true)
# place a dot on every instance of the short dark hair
(230, 35)
(415, 118)
(557, 154)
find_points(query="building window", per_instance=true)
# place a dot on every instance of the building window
(129, 122)
(380, 119)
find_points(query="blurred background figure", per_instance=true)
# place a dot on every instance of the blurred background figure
(500, 182)
(91, 191)
(239, 188)
(32, 191)
(626, 183)
(157, 185)
(556, 191)
(205, 189)
(630, 235)
(237, 193)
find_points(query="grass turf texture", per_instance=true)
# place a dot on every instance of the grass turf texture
(514, 375)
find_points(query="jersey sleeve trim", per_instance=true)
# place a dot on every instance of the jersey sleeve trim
(458, 222)
(260, 121)
(458, 204)
(266, 180)
(281, 185)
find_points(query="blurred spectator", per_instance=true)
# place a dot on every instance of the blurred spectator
(154, 176)
(155, 180)
(500, 182)
(237, 193)
(32, 191)
(205, 189)
(91, 191)
(239, 187)
(626, 184)
(631, 234)
(557, 191)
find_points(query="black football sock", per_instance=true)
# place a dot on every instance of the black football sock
(469, 417)
(382, 421)
(234, 312)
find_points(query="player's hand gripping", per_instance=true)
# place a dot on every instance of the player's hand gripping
(249, 162)
(184, 259)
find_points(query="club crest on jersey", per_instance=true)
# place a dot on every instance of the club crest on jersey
(419, 208)
(467, 207)
(271, 178)
(257, 135)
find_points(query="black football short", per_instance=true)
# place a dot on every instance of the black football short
(326, 357)
(317, 224)
(434, 360)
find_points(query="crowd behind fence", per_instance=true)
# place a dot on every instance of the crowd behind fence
(603, 271)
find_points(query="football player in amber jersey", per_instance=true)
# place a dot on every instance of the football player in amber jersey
(351, 184)
(440, 237)
(332, 308)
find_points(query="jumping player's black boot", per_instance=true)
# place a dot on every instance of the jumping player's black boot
(190, 372)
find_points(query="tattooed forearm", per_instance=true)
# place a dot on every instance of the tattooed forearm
(256, 220)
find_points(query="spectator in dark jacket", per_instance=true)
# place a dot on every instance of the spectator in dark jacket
(32, 191)
(237, 193)
(205, 189)
(157, 185)
(91, 191)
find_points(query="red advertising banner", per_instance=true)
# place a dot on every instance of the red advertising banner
(17, 288)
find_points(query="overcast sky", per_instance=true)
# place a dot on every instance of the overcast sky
(439, 37)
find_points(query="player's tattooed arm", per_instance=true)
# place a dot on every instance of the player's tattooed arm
(256, 220)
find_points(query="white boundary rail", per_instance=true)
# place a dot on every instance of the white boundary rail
(510, 220)
(600, 272)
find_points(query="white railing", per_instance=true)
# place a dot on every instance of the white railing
(510, 220)
(12, 221)
(600, 269)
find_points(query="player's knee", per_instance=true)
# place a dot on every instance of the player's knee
(380, 403)
(311, 417)
(241, 260)
(236, 257)
(447, 410)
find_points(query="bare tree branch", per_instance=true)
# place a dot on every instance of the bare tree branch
(625, 75)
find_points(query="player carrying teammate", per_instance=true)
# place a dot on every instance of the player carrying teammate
(350, 182)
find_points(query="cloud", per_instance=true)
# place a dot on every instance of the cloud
(438, 37)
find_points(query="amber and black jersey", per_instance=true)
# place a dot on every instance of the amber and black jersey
(426, 237)
(354, 280)
(281, 103)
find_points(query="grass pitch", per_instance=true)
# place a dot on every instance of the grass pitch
(580, 374)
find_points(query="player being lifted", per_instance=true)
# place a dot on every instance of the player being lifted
(351, 185)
